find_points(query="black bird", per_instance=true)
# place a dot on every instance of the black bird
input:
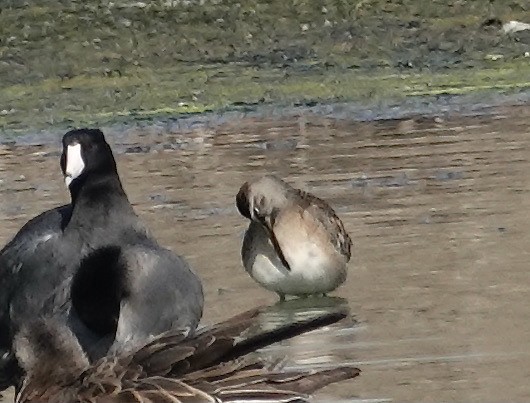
(94, 263)
(212, 366)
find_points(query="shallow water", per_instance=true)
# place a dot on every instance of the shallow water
(438, 283)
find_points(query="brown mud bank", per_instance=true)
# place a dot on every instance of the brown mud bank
(71, 63)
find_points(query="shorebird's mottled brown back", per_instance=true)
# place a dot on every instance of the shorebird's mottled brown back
(326, 216)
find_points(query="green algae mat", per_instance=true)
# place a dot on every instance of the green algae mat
(70, 63)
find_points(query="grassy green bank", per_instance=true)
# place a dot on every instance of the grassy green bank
(72, 63)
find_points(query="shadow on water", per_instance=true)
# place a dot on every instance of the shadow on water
(436, 207)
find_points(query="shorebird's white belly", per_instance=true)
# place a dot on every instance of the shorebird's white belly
(313, 268)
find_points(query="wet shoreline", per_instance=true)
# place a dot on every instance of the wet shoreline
(438, 107)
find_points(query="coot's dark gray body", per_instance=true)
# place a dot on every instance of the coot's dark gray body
(23, 291)
(94, 263)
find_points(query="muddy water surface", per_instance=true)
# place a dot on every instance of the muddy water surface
(438, 211)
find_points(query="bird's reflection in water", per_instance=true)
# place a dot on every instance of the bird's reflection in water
(321, 348)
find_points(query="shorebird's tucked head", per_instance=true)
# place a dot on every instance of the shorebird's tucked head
(48, 352)
(85, 151)
(259, 199)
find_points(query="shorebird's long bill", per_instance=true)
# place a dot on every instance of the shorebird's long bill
(279, 251)
(277, 248)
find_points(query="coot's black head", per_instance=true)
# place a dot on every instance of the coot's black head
(85, 152)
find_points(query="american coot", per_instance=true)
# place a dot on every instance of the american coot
(295, 243)
(212, 366)
(95, 263)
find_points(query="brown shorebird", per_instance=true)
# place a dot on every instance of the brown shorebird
(213, 366)
(295, 243)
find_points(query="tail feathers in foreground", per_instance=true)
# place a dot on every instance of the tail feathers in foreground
(212, 366)
(226, 341)
(256, 385)
(260, 384)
